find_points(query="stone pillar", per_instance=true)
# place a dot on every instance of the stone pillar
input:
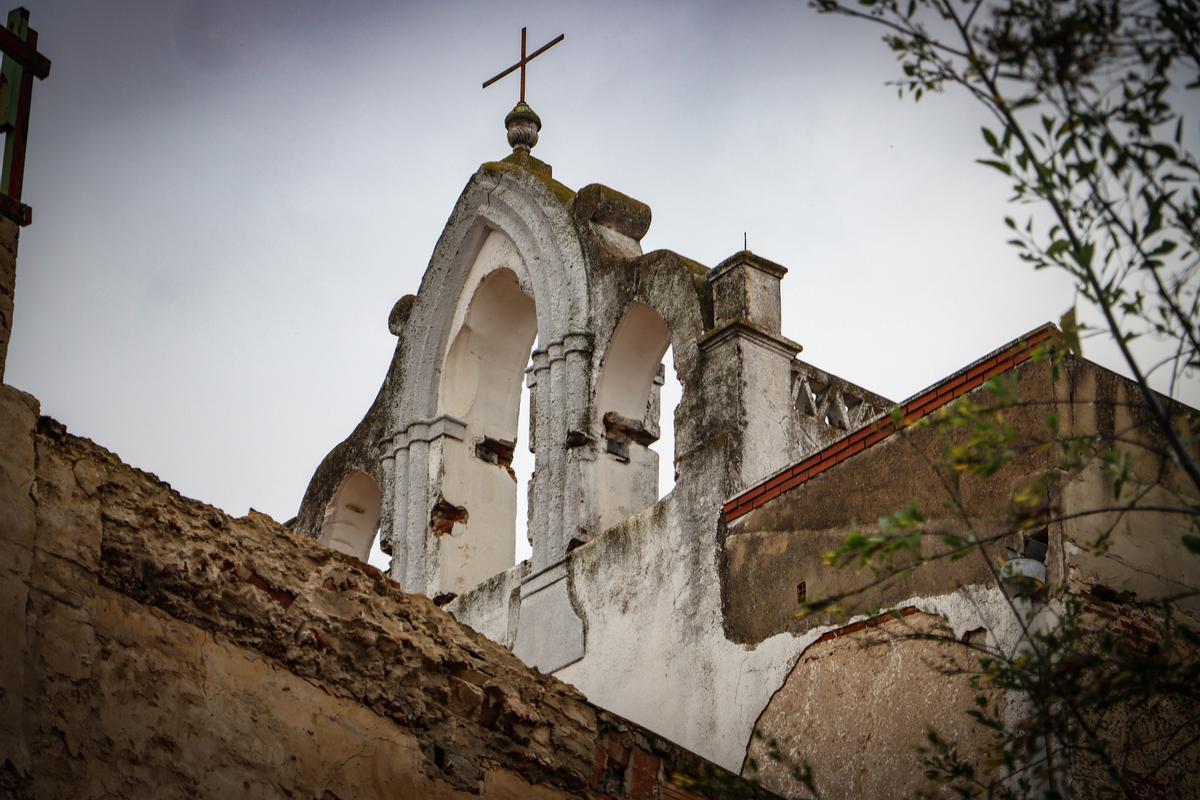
(748, 369)
(577, 350)
(541, 483)
(9, 233)
(552, 451)
(550, 634)
(416, 533)
(394, 466)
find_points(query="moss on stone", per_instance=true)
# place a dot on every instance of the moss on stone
(523, 162)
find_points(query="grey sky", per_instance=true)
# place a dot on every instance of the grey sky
(229, 197)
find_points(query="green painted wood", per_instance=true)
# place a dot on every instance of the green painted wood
(10, 98)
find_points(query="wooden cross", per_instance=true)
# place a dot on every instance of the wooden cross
(524, 60)
(22, 63)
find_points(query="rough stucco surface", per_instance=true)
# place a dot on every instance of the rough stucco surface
(157, 647)
(855, 707)
(648, 591)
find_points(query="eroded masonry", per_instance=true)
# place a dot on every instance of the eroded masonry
(650, 647)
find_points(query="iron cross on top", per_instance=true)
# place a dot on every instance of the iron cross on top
(525, 59)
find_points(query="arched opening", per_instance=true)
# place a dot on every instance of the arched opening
(352, 516)
(628, 415)
(475, 515)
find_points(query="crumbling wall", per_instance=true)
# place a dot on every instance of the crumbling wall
(858, 703)
(873, 690)
(156, 646)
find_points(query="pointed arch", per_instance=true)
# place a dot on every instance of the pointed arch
(506, 218)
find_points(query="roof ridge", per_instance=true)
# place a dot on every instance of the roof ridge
(923, 403)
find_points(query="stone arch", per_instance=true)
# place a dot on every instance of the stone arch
(352, 516)
(506, 217)
(509, 201)
(677, 289)
(626, 415)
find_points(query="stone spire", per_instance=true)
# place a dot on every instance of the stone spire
(523, 125)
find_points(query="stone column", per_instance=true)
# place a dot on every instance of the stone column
(550, 634)
(416, 529)
(396, 507)
(577, 371)
(553, 450)
(541, 491)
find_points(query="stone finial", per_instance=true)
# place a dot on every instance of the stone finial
(523, 125)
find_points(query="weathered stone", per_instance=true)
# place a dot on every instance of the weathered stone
(174, 651)
(604, 206)
(854, 707)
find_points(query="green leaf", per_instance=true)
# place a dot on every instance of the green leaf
(1083, 254)
(1191, 542)
(1058, 248)
(997, 165)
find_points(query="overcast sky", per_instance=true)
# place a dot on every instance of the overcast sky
(229, 197)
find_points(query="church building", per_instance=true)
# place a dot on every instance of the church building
(700, 643)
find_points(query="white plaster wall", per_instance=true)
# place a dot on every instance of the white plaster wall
(767, 421)
(656, 653)
(623, 488)
(473, 552)
(656, 648)
(649, 595)
(630, 363)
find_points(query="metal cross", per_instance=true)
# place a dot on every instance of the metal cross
(525, 59)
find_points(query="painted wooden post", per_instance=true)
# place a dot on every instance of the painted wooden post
(22, 63)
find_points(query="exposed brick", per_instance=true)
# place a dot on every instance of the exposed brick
(875, 437)
(643, 775)
(618, 750)
(600, 766)
(952, 387)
